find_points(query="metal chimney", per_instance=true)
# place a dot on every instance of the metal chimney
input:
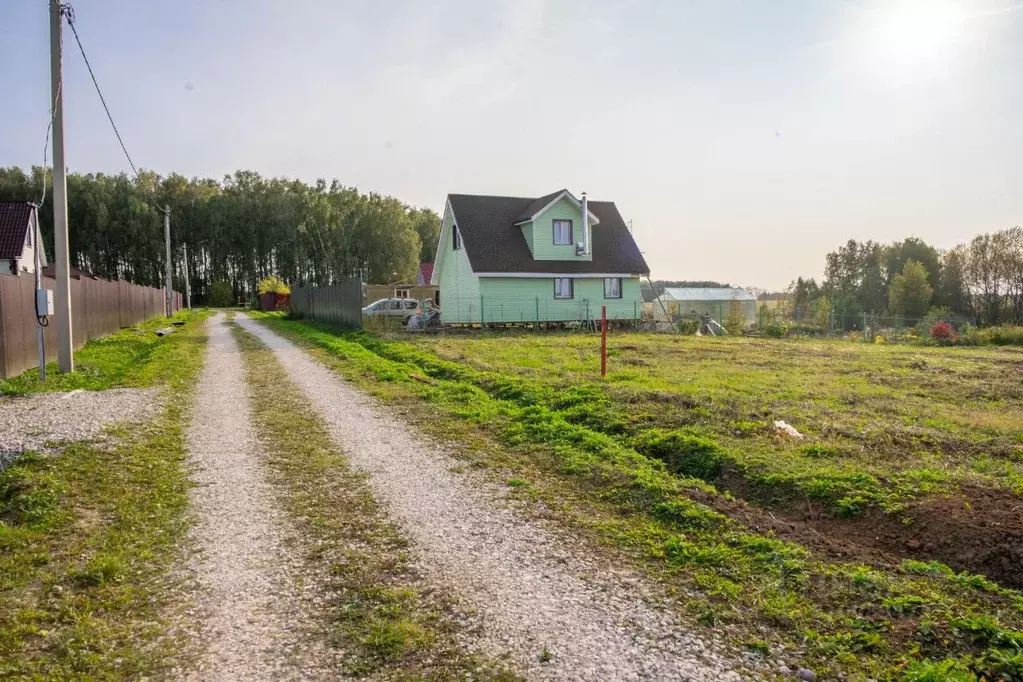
(586, 225)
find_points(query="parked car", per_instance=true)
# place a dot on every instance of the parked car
(401, 308)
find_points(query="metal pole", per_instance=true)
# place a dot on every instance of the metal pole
(603, 340)
(166, 238)
(37, 254)
(62, 294)
(188, 284)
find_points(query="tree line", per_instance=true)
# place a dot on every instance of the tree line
(981, 280)
(238, 229)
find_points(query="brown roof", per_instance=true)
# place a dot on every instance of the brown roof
(14, 221)
(493, 243)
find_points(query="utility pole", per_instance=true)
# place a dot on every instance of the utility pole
(38, 265)
(166, 237)
(62, 295)
(188, 285)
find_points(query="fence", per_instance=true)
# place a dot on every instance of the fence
(833, 323)
(338, 303)
(98, 307)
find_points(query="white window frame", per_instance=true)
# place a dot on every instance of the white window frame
(571, 289)
(617, 281)
(559, 222)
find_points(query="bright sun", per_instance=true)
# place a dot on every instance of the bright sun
(910, 40)
(918, 32)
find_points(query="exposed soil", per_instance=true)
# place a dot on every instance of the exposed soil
(979, 530)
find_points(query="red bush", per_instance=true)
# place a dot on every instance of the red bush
(944, 333)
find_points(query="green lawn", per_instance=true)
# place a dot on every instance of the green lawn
(673, 461)
(88, 537)
(119, 360)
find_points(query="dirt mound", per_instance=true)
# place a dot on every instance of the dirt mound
(978, 530)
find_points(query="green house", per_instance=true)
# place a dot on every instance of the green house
(535, 259)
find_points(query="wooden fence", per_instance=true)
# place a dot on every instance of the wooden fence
(98, 307)
(338, 303)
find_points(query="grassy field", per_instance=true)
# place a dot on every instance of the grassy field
(88, 536)
(862, 548)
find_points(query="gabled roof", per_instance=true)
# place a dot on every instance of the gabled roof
(14, 222)
(494, 244)
(424, 275)
(708, 294)
(537, 205)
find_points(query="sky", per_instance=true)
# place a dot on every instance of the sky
(744, 139)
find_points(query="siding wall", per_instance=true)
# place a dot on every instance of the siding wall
(523, 299)
(544, 247)
(459, 287)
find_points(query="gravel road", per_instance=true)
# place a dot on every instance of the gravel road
(531, 588)
(255, 598)
(30, 422)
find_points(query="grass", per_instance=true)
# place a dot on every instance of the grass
(116, 361)
(530, 408)
(380, 615)
(88, 536)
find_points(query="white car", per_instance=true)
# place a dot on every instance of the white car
(402, 308)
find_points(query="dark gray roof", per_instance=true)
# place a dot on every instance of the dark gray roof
(537, 204)
(14, 219)
(494, 243)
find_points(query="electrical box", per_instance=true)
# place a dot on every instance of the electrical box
(44, 302)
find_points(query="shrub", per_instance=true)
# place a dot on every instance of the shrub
(683, 453)
(221, 294)
(775, 330)
(688, 325)
(272, 285)
(944, 333)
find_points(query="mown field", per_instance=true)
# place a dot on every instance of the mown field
(886, 544)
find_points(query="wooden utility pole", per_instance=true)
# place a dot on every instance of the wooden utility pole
(188, 285)
(62, 295)
(169, 307)
(603, 340)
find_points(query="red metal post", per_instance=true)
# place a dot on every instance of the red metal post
(603, 340)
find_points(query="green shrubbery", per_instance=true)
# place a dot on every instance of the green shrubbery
(221, 295)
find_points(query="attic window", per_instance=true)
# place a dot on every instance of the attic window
(456, 239)
(562, 231)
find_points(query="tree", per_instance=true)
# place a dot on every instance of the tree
(803, 293)
(953, 292)
(913, 248)
(427, 225)
(735, 318)
(911, 292)
(221, 295)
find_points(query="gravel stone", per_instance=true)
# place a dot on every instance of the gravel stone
(30, 422)
(532, 588)
(255, 601)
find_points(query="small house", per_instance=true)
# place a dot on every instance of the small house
(20, 236)
(418, 290)
(713, 301)
(555, 258)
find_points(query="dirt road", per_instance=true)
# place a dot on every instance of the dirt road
(543, 600)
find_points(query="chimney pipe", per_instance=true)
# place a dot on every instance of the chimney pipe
(586, 226)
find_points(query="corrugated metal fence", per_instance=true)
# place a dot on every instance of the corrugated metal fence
(98, 307)
(338, 303)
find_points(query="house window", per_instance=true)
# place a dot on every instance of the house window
(562, 287)
(401, 293)
(562, 231)
(28, 236)
(456, 239)
(612, 287)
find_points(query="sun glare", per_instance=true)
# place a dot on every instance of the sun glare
(911, 40)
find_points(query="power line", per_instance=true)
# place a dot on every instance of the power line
(69, 14)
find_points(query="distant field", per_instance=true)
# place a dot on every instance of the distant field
(862, 548)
